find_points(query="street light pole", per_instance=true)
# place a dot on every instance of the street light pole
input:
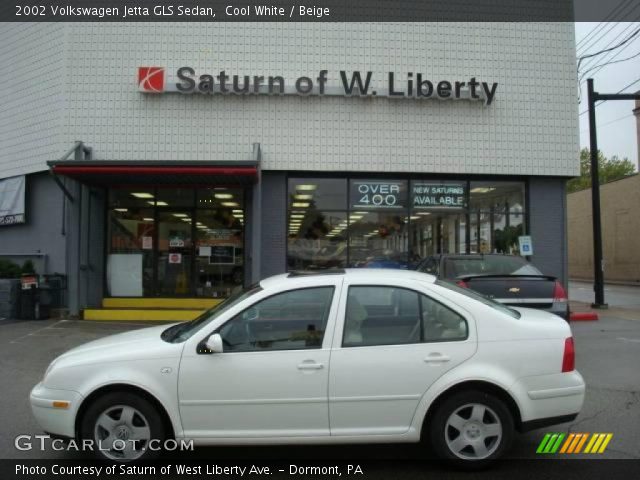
(598, 263)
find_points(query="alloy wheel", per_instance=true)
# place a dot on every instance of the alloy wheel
(122, 433)
(473, 432)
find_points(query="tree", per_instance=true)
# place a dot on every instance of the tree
(609, 169)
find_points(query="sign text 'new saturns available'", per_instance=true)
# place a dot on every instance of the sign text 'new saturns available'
(349, 83)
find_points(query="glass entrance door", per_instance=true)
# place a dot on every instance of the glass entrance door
(174, 255)
(175, 242)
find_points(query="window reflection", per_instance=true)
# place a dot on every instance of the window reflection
(378, 240)
(497, 216)
(317, 240)
(318, 193)
(395, 223)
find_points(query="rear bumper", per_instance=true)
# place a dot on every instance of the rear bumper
(545, 422)
(549, 399)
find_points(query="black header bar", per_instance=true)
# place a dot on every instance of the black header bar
(316, 11)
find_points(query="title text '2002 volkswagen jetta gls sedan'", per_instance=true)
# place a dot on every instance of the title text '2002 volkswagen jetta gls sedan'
(337, 357)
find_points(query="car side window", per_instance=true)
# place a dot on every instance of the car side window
(381, 315)
(440, 323)
(290, 320)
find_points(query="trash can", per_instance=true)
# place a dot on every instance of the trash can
(35, 298)
(44, 299)
(28, 302)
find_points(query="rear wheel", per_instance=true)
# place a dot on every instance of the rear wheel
(471, 429)
(121, 426)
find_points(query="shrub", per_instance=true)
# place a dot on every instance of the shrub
(8, 269)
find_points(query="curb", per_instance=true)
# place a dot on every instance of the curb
(583, 316)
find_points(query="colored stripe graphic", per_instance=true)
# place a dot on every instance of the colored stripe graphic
(567, 442)
(550, 443)
(573, 443)
(605, 443)
(584, 439)
(598, 443)
(543, 443)
(594, 437)
(555, 447)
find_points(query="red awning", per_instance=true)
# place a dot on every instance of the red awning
(116, 173)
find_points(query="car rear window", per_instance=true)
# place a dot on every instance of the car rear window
(489, 265)
(480, 298)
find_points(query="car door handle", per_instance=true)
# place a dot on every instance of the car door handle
(310, 366)
(436, 358)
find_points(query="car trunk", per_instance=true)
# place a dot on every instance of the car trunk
(533, 291)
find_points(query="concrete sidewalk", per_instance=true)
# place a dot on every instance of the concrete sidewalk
(623, 300)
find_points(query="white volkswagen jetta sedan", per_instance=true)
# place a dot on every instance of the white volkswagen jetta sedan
(336, 357)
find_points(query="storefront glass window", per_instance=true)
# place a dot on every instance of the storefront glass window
(317, 240)
(313, 194)
(378, 223)
(378, 239)
(131, 197)
(497, 216)
(438, 220)
(175, 242)
(219, 251)
(175, 197)
(130, 260)
(395, 223)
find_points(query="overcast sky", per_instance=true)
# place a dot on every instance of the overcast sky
(616, 124)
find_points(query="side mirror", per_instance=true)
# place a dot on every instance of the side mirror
(214, 343)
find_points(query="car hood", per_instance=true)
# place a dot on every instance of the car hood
(144, 343)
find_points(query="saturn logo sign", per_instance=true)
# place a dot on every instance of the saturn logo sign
(151, 79)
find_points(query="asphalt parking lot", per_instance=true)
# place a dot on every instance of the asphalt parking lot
(608, 354)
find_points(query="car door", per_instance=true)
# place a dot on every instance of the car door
(271, 378)
(394, 342)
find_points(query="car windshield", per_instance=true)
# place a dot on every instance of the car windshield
(480, 298)
(182, 331)
(489, 265)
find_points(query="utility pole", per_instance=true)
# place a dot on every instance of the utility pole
(598, 262)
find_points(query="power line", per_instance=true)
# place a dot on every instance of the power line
(611, 62)
(623, 42)
(594, 41)
(619, 91)
(615, 39)
(609, 123)
(602, 24)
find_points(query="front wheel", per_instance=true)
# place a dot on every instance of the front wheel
(471, 429)
(122, 426)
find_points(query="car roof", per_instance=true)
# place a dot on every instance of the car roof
(364, 274)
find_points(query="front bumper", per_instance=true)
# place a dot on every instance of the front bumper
(55, 421)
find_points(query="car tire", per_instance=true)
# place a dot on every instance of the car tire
(121, 425)
(471, 429)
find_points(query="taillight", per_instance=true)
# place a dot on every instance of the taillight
(462, 283)
(569, 356)
(559, 293)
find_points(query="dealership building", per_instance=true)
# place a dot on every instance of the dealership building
(148, 162)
